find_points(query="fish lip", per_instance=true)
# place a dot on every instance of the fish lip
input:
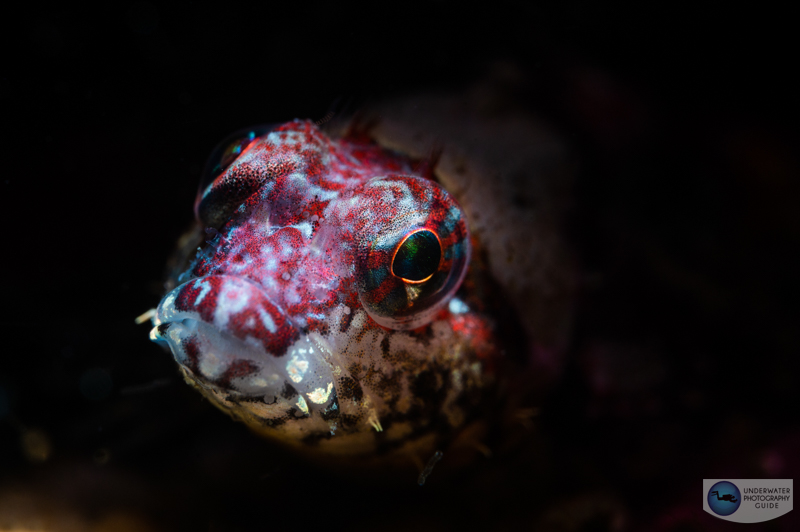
(236, 360)
(158, 320)
(229, 306)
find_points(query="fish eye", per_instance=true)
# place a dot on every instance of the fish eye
(414, 250)
(417, 257)
(211, 206)
(229, 150)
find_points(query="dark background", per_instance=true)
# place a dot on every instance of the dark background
(684, 360)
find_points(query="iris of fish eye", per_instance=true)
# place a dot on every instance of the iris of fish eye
(417, 257)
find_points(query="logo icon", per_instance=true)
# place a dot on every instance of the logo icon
(743, 500)
(724, 498)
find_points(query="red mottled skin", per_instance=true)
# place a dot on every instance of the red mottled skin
(294, 303)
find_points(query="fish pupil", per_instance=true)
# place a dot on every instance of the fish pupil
(418, 257)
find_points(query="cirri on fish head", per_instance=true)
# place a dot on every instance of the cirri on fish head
(327, 308)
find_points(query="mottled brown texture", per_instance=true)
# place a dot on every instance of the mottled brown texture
(513, 177)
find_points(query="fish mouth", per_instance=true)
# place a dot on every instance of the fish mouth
(229, 337)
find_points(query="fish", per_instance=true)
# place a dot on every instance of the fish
(343, 297)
